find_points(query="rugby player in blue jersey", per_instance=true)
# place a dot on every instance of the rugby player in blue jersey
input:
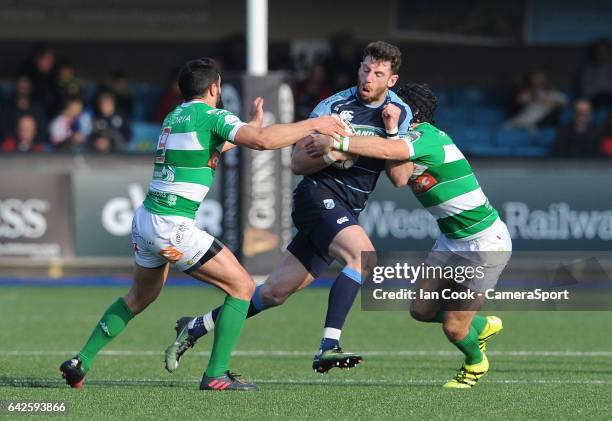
(326, 206)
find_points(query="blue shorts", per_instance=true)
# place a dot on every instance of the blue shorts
(318, 216)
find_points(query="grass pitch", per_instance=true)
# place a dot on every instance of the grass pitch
(543, 365)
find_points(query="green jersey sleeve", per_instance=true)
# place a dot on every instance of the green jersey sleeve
(226, 125)
(424, 149)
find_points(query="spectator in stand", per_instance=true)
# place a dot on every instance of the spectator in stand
(580, 137)
(595, 77)
(168, 101)
(22, 102)
(25, 137)
(536, 103)
(108, 122)
(606, 141)
(314, 89)
(41, 70)
(120, 86)
(67, 82)
(101, 143)
(69, 130)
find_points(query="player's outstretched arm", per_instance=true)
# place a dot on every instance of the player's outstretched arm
(257, 116)
(280, 135)
(369, 146)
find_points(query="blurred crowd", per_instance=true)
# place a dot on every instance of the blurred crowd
(49, 108)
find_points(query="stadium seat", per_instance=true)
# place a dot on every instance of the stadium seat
(600, 115)
(546, 137)
(488, 116)
(144, 137)
(6, 89)
(468, 136)
(487, 150)
(566, 115)
(514, 137)
(453, 116)
(470, 96)
(443, 96)
(531, 151)
(146, 96)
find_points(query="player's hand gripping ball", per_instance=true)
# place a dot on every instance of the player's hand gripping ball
(347, 163)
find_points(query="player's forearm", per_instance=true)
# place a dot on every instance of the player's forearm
(399, 172)
(304, 164)
(377, 147)
(281, 135)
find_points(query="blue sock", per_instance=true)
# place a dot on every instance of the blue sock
(201, 325)
(341, 297)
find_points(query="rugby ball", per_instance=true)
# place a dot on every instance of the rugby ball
(345, 165)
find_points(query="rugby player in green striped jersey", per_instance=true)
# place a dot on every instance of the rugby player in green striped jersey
(444, 183)
(193, 136)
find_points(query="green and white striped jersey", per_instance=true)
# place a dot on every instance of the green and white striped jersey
(445, 185)
(187, 155)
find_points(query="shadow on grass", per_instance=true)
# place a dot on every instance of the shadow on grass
(33, 382)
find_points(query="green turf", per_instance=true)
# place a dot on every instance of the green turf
(46, 324)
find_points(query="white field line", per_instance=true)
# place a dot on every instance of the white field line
(264, 353)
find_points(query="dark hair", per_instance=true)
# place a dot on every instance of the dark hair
(421, 101)
(380, 50)
(196, 76)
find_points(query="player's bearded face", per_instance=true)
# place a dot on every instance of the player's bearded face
(374, 79)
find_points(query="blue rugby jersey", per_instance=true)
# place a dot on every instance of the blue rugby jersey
(354, 185)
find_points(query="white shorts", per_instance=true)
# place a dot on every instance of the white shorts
(158, 239)
(490, 251)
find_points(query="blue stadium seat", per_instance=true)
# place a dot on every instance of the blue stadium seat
(514, 137)
(470, 96)
(488, 116)
(144, 137)
(531, 151)
(89, 92)
(566, 115)
(443, 95)
(546, 136)
(599, 117)
(6, 88)
(146, 97)
(453, 116)
(487, 150)
(469, 135)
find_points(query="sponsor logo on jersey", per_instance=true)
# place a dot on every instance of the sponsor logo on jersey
(346, 115)
(329, 203)
(213, 162)
(413, 135)
(342, 220)
(171, 198)
(178, 234)
(171, 254)
(161, 145)
(231, 119)
(423, 183)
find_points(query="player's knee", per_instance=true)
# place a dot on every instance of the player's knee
(455, 330)
(273, 297)
(421, 314)
(243, 289)
(138, 301)
(362, 258)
